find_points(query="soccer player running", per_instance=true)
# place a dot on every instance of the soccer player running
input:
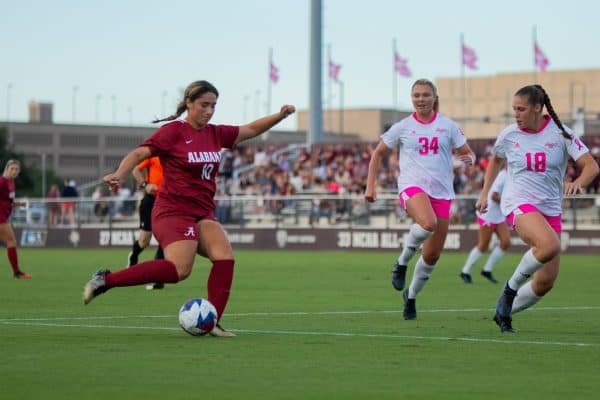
(7, 200)
(425, 140)
(490, 222)
(149, 177)
(183, 219)
(536, 149)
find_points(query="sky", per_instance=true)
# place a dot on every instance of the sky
(126, 62)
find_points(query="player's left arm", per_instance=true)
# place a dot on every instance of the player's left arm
(589, 170)
(263, 124)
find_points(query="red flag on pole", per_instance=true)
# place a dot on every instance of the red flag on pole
(540, 58)
(334, 70)
(469, 57)
(273, 73)
(400, 65)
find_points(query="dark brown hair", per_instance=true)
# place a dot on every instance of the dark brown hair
(537, 95)
(192, 92)
(427, 82)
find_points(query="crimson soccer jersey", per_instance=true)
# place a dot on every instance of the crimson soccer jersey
(190, 159)
(7, 195)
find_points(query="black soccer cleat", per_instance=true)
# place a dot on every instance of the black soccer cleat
(466, 278)
(410, 307)
(489, 276)
(505, 324)
(398, 276)
(502, 317)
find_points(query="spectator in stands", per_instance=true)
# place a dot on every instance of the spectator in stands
(490, 222)
(536, 149)
(52, 205)
(425, 141)
(183, 218)
(101, 206)
(149, 178)
(67, 207)
(7, 201)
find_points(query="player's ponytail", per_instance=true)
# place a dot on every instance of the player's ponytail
(537, 95)
(192, 92)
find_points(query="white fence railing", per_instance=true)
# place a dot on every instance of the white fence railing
(298, 211)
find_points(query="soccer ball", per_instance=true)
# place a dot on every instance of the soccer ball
(197, 316)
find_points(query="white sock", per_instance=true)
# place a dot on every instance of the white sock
(496, 255)
(525, 298)
(474, 255)
(420, 277)
(526, 268)
(416, 236)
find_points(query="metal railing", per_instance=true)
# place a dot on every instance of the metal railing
(299, 211)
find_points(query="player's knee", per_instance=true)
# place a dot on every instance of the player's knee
(504, 244)
(429, 225)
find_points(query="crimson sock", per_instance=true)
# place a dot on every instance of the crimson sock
(219, 284)
(154, 271)
(12, 257)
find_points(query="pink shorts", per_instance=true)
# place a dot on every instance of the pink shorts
(170, 226)
(555, 222)
(441, 207)
(483, 222)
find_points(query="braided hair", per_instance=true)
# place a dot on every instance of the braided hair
(192, 92)
(537, 95)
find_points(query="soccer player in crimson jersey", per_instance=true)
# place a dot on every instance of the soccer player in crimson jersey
(425, 141)
(536, 149)
(7, 197)
(183, 217)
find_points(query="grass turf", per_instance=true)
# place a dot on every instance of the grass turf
(310, 325)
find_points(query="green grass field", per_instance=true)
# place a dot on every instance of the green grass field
(321, 325)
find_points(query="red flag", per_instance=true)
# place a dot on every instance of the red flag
(334, 70)
(273, 72)
(400, 65)
(469, 57)
(540, 58)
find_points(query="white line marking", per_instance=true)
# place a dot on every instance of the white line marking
(310, 333)
(301, 313)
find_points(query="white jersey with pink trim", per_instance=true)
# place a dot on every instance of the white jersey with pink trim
(425, 153)
(494, 214)
(537, 162)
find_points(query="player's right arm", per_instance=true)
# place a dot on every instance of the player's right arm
(132, 159)
(380, 151)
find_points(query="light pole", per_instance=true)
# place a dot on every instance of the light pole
(113, 99)
(98, 98)
(8, 89)
(246, 100)
(163, 103)
(75, 89)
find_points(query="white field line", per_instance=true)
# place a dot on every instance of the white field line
(311, 333)
(300, 313)
(40, 322)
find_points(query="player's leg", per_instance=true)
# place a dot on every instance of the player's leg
(7, 235)
(542, 282)
(215, 246)
(484, 237)
(498, 251)
(418, 207)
